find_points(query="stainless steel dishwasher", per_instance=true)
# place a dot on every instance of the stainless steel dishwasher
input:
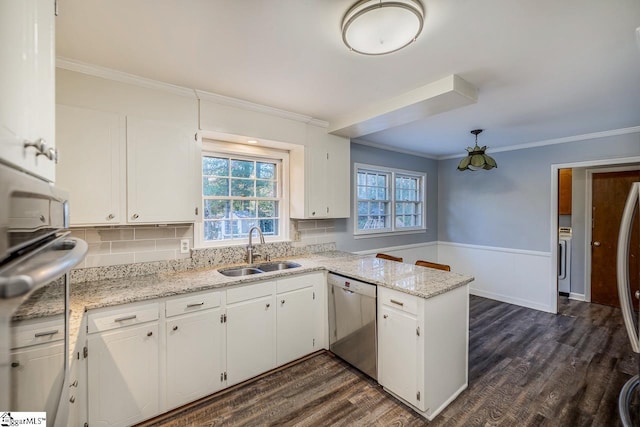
(352, 322)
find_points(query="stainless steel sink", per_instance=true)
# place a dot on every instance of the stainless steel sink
(261, 268)
(275, 266)
(240, 271)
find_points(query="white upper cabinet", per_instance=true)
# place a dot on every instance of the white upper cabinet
(92, 167)
(27, 85)
(320, 176)
(163, 172)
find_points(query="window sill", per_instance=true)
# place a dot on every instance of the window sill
(388, 234)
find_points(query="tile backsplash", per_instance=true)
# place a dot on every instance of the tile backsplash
(133, 244)
(313, 231)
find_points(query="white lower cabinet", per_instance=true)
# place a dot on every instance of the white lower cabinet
(251, 331)
(423, 347)
(297, 316)
(194, 355)
(123, 374)
(398, 353)
(141, 363)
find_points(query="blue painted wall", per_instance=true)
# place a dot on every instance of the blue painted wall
(375, 156)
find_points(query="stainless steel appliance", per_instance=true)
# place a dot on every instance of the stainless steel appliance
(564, 260)
(36, 254)
(352, 322)
(631, 210)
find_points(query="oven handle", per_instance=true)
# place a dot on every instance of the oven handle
(46, 264)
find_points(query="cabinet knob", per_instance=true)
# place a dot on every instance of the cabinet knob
(385, 316)
(637, 294)
(313, 213)
(39, 144)
(135, 216)
(74, 384)
(175, 328)
(149, 334)
(42, 218)
(15, 364)
(282, 301)
(268, 305)
(72, 399)
(111, 216)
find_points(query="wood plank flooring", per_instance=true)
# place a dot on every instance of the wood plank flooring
(526, 368)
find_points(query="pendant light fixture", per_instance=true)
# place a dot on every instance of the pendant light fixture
(477, 159)
(378, 27)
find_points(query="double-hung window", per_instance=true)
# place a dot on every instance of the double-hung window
(388, 200)
(240, 191)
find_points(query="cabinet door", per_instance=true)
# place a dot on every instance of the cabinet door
(39, 372)
(123, 375)
(397, 353)
(194, 356)
(163, 172)
(92, 164)
(338, 178)
(317, 188)
(27, 83)
(251, 337)
(295, 325)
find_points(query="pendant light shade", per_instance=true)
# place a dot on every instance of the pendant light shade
(477, 159)
(377, 27)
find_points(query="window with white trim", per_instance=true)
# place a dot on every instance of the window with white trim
(240, 191)
(389, 200)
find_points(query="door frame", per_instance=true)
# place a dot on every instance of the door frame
(588, 198)
(553, 279)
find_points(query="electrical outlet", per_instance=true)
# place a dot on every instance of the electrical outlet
(184, 246)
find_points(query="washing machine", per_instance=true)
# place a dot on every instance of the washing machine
(564, 260)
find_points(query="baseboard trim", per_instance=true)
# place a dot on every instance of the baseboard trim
(576, 296)
(510, 300)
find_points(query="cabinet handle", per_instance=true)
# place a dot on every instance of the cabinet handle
(282, 301)
(15, 364)
(268, 305)
(135, 216)
(46, 334)
(42, 218)
(111, 216)
(313, 213)
(51, 154)
(122, 319)
(385, 315)
(195, 304)
(149, 334)
(175, 328)
(74, 384)
(39, 144)
(72, 399)
(401, 304)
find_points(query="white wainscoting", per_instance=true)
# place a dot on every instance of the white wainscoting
(509, 275)
(409, 253)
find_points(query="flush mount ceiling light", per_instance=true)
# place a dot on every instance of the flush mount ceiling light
(477, 159)
(377, 27)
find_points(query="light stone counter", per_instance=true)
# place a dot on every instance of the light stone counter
(420, 281)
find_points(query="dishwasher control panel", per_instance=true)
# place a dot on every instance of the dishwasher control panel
(353, 285)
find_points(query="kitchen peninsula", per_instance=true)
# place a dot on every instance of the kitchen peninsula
(255, 323)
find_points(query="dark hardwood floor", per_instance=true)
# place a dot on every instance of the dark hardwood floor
(526, 368)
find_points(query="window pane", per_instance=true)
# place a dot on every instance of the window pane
(269, 227)
(382, 194)
(215, 186)
(266, 188)
(362, 178)
(216, 209)
(215, 166)
(244, 209)
(216, 230)
(242, 187)
(267, 209)
(363, 208)
(242, 168)
(266, 170)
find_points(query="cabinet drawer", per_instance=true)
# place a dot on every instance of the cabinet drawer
(38, 331)
(288, 284)
(398, 300)
(244, 293)
(125, 316)
(191, 303)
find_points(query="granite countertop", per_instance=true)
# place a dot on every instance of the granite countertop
(420, 281)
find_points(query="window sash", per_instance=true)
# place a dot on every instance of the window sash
(403, 197)
(241, 206)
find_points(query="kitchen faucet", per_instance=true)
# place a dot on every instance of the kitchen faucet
(250, 254)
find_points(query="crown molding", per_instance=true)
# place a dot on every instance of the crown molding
(122, 77)
(575, 138)
(394, 149)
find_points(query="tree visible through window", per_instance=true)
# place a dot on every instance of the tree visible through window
(389, 200)
(239, 193)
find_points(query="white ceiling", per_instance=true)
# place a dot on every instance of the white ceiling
(544, 69)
